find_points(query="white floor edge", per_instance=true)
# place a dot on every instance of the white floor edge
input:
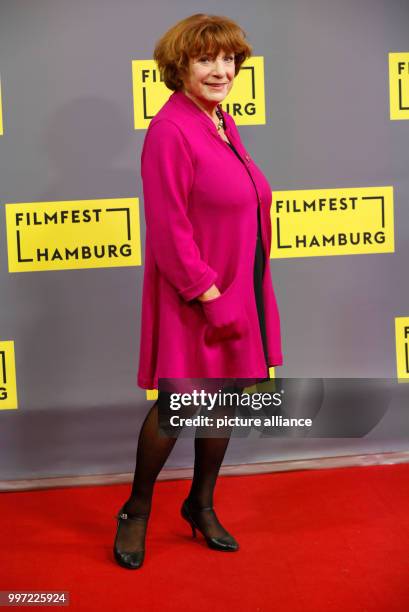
(226, 470)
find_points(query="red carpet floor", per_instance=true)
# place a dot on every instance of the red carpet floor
(311, 541)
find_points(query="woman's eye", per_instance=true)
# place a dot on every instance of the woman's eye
(228, 57)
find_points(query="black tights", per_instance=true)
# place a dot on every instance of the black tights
(152, 453)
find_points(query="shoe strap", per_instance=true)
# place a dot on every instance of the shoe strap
(132, 517)
(126, 516)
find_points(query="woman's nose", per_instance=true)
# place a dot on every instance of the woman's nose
(219, 68)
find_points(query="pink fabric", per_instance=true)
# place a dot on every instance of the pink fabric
(201, 228)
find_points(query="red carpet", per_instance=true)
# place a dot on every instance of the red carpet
(311, 541)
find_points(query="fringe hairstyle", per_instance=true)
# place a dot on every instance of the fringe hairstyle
(197, 35)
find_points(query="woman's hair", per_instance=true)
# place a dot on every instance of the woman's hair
(194, 36)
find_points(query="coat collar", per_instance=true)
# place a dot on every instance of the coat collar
(182, 100)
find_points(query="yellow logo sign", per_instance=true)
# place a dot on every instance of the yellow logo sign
(350, 221)
(8, 387)
(402, 348)
(399, 85)
(73, 234)
(152, 394)
(245, 102)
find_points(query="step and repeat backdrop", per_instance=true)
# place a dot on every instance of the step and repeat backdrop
(323, 105)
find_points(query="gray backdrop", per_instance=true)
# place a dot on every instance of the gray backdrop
(68, 115)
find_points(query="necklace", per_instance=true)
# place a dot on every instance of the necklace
(221, 120)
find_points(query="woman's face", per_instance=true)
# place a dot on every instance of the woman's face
(210, 79)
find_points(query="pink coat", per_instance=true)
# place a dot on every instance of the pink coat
(201, 228)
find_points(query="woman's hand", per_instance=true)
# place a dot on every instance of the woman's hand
(225, 313)
(209, 294)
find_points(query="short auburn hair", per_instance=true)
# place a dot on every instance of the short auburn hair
(197, 35)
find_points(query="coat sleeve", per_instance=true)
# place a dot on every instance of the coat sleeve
(167, 176)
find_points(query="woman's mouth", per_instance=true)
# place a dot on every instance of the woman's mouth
(216, 85)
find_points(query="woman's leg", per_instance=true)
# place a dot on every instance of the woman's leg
(209, 455)
(152, 453)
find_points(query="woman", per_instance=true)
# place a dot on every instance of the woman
(208, 305)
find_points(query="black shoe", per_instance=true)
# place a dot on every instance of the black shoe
(130, 559)
(224, 543)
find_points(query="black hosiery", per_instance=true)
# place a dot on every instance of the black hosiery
(209, 455)
(152, 453)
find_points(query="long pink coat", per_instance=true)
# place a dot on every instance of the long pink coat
(201, 227)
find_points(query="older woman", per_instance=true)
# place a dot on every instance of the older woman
(208, 306)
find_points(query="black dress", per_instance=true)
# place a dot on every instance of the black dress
(258, 274)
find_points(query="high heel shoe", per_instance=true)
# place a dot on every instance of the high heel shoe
(224, 543)
(131, 559)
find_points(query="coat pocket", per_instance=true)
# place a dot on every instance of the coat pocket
(226, 317)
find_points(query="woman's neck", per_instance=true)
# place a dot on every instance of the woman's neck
(209, 109)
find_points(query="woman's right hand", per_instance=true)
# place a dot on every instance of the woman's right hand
(209, 294)
(225, 313)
